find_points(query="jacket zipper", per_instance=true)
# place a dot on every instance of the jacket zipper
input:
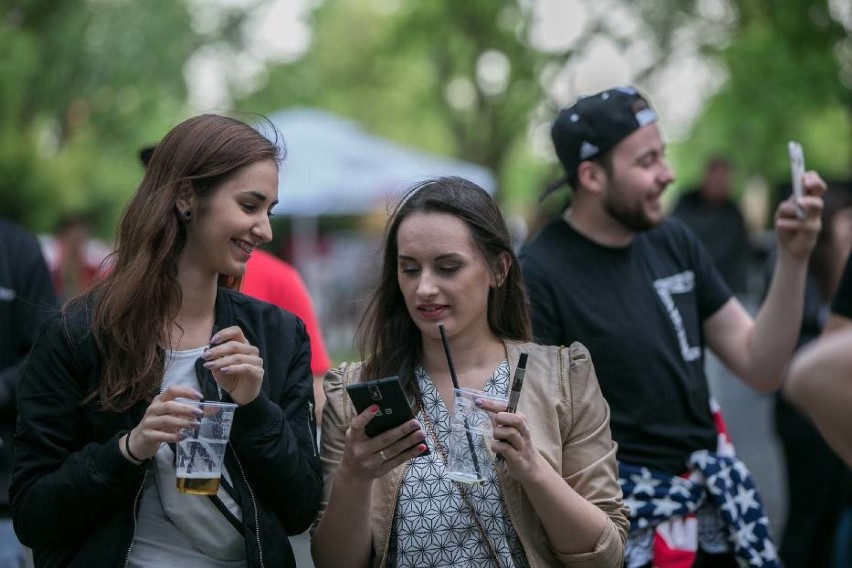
(395, 501)
(135, 518)
(253, 504)
(312, 434)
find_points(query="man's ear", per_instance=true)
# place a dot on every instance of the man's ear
(591, 176)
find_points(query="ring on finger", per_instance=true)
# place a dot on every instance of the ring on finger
(382, 454)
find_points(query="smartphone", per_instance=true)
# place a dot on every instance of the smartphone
(797, 170)
(395, 406)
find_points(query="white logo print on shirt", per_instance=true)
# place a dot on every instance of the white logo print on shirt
(682, 283)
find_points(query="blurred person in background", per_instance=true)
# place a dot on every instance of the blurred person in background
(94, 480)
(75, 259)
(710, 211)
(448, 259)
(819, 484)
(273, 280)
(642, 293)
(27, 299)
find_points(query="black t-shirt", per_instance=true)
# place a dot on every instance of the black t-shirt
(639, 310)
(842, 304)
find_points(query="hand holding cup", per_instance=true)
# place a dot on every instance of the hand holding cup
(163, 419)
(512, 439)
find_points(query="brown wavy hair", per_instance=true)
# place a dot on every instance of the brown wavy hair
(389, 341)
(133, 306)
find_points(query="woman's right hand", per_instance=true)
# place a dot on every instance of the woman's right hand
(365, 458)
(163, 420)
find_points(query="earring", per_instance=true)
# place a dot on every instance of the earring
(187, 214)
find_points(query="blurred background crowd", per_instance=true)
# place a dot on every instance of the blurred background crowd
(370, 95)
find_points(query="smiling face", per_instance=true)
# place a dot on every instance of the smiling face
(443, 276)
(227, 226)
(638, 175)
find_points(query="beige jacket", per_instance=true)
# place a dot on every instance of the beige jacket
(569, 424)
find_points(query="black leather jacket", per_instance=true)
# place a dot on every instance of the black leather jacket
(75, 497)
(26, 300)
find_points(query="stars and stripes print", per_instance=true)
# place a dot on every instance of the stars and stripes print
(723, 482)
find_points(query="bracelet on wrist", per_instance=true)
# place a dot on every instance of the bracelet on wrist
(129, 453)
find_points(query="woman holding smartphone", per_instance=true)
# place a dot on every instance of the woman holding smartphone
(554, 501)
(93, 481)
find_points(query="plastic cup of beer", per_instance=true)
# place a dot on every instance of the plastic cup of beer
(469, 455)
(200, 453)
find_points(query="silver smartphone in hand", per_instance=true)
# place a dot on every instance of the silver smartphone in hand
(797, 170)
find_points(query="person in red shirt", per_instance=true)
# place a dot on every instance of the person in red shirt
(272, 280)
(75, 259)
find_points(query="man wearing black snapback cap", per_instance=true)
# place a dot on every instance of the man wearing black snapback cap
(642, 294)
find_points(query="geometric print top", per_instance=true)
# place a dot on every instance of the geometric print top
(432, 525)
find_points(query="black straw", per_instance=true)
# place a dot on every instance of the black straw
(449, 357)
(456, 385)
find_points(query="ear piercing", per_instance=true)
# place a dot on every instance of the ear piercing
(187, 214)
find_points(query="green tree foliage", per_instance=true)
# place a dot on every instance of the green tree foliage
(456, 78)
(409, 70)
(85, 84)
(785, 80)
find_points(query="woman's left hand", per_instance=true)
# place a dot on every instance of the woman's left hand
(512, 440)
(236, 364)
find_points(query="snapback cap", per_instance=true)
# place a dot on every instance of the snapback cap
(594, 125)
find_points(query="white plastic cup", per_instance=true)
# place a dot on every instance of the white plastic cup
(469, 455)
(200, 454)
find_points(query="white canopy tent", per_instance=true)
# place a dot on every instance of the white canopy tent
(334, 167)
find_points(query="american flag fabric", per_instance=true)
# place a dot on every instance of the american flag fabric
(666, 506)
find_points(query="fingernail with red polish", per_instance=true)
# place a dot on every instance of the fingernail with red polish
(421, 448)
(374, 408)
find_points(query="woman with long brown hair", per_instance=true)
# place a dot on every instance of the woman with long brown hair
(554, 500)
(93, 481)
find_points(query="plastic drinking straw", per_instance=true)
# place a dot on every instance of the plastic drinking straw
(456, 385)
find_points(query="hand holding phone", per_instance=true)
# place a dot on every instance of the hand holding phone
(395, 406)
(797, 170)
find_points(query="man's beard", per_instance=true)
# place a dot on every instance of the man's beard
(632, 216)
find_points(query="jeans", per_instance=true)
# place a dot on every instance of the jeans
(12, 553)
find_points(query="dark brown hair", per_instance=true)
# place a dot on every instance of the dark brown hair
(823, 262)
(133, 306)
(389, 341)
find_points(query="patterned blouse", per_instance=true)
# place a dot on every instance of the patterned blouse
(432, 525)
